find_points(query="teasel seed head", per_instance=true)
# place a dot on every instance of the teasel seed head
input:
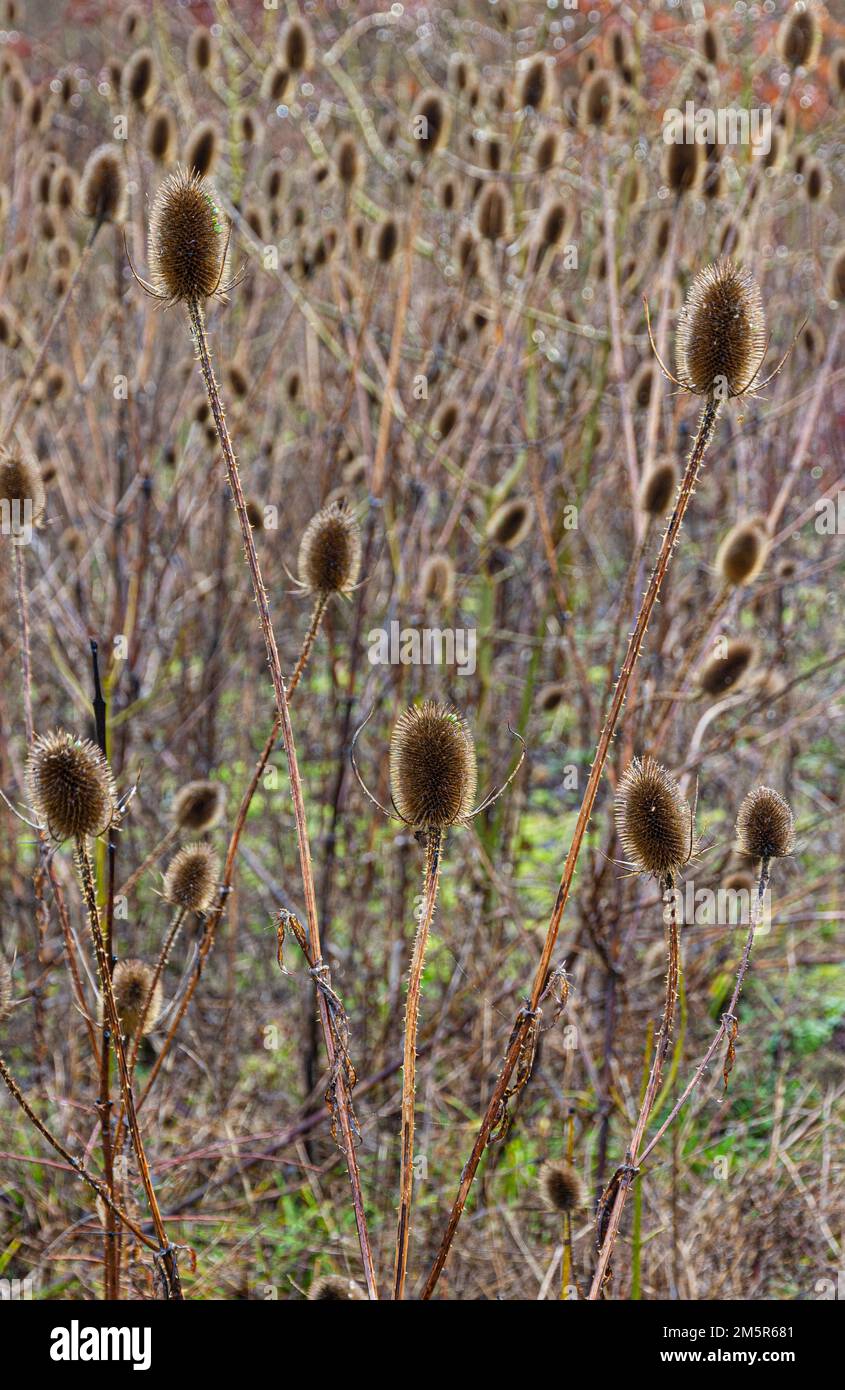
(598, 101)
(386, 240)
(545, 151)
(21, 484)
(836, 282)
(203, 149)
(658, 488)
(742, 554)
(187, 239)
(683, 163)
(446, 418)
(64, 188)
(202, 51)
(160, 135)
(561, 1187)
(533, 84)
(191, 877)
(430, 123)
(510, 523)
(738, 881)
(70, 786)
(837, 70)
(799, 37)
(550, 697)
(139, 80)
(276, 81)
(721, 332)
(653, 818)
(764, 827)
(131, 982)
(102, 188)
(437, 580)
(198, 806)
(347, 161)
(335, 1288)
(432, 766)
(726, 671)
(330, 552)
(298, 45)
(493, 212)
(710, 45)
(815, 181)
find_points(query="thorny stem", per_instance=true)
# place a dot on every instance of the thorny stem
(409, 1066)
(660, 1051)
(112, 1022)
(260, 593)
(706, 427)
(308, 642)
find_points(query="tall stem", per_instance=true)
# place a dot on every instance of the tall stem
(308, 641)
(260, 593)
(706, 426)
(409, 1068)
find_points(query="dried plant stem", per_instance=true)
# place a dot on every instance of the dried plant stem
(111, 1022)
(61, 308)
(308, 642)
(409, 1066)
(72, 1162)
(394, 361)
(260, 593)
(164, 843)
(615, 325)
(523, 1023)
(623, 1180)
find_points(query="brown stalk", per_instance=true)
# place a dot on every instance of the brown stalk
(524, 1019)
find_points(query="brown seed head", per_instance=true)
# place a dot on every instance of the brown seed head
(510, 523)
(298, 45)
(139, 81)
(742, 553)
(836, 281)
(799, 37)
(70, 786)
(198, 806)
(432, 766)
(21, 488)
(160, 135)
(551, 697)
(333, 1287)
(437, 579)
(726, 669)
(203, 149)
(5, 989)
(653, 818)
(191, 877)
(533, 84)
(658, 488)
(131, 981)
(721, 332)
(202, 51)
(598, 100)
(187, 239)
(429, 124)
(764, 827)
(561, 1187)
(330, 551)
(102, 188)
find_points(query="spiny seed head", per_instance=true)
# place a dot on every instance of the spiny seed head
(653, 819)
(437, 579)
(743, 551)
(276, 81)
(432, 766)
(70, 786)
(346, 160)
(815, 183)
(201, 49)
(764, 827)
(191, 877)
(139, 81)
(198, 806)
(533, 84)
(131, 982)
(493, 212)
(298, 45)
(561, 1187)
(727, 668)
(721, 333)
(658, 488)
(552, 222)
(386, 240)
(160, 135)
(21, 487)
(510, 523)
(684, 163)
(203, 149)
(333, 1287)
(799, 37)
(187, 239)
(545, 150)
(330, 551)
(597, 101)
(430, 124)
(102, 188)
(551, 697)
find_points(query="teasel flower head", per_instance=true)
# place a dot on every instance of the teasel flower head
(335, 1288)
(21, 487)
(139, 80)
(836, 279)
(550, 697)
(201, 50)
(191, 877)
(683, 163)
(202, 149)
(598, 101)
(330, 552)
(188, 239)
(102, 188)
(432, 767)
(160, 135)
(493, 212)
(653, 818)
(131, 982)
(437, 580)
(533, 84)
(742, 554)
(721, 332)
(298, 45)
(347, 161)
(430, 123)
(198, 806)
(70, 786)
(799, 37)
(765, 827)
(726, 670)
(510, 523)
(561, 1187)
(658, 488)
(386, 240)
